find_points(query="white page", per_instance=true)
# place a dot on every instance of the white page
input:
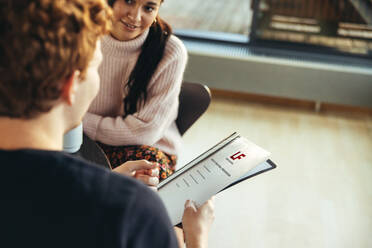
(200, 158)
(210, 176)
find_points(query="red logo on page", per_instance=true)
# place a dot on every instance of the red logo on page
(237, 155)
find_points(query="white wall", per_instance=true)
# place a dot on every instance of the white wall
(341, 84)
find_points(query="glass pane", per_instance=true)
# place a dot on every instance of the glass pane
(232, 16)
(341, 24)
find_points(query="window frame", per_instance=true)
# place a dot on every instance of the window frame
(253, 41)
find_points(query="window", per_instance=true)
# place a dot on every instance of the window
(330, 26)
(211, 19)
(342, 26)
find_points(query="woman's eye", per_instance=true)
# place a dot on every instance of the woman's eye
(149, 9)
(129, 1)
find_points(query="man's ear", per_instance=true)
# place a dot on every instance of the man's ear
(69, 88)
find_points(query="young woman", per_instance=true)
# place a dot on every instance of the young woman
(133, 116)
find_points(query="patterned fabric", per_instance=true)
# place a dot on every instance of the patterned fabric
(118, 155)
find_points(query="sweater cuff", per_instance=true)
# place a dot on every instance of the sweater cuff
(90, 125)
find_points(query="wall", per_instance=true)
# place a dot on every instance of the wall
(244, 72)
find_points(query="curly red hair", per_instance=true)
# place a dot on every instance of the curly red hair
(43, 42)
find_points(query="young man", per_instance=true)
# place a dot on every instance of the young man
(49, 55)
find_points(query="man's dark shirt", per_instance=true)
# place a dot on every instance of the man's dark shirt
(49, 199)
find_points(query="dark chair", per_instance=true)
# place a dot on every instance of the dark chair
(194, 100)
(92, 152)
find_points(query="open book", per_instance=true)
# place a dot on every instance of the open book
(229, 162)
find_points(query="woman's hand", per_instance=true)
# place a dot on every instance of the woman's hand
(143, 170)
(197, 222)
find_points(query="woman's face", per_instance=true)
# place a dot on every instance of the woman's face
(133, 17)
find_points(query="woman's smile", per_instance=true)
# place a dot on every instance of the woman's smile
(129, 26)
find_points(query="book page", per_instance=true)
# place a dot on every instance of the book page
(200, 158)
(211, 175)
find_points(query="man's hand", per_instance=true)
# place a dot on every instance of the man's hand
(196, 223)
(143, 170)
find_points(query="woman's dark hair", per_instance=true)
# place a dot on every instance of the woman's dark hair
(151, 54)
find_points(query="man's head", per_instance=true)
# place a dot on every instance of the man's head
(45, 45)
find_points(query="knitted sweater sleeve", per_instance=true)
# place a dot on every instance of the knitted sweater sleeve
(148, 125)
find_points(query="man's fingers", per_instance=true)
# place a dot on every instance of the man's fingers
(153, 172)
(208, 205)
(190, 205)
(139, 165)
(151, 181)
(131, 168)
(209, 202)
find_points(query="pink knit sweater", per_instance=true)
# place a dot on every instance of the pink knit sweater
(154, 124)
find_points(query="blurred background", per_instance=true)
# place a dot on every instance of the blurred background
(295, 77)
(342, 25)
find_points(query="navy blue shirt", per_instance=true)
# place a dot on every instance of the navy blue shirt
(49, 199)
